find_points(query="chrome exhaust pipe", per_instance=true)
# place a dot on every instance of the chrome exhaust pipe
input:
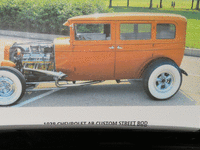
(57, 75)
(60, 86)
(77, 84)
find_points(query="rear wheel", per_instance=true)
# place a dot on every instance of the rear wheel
(162, 79)
(12, 85)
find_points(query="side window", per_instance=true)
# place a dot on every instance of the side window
(165, 31)
(92, 32)
(135, 31)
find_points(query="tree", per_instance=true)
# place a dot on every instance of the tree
(197, 6)
(110, 5)
(150, 4)
(127, 3)
(192, 4)
(160, 3)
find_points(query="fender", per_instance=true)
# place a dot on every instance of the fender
(183, 72)
(5, 60)
(7, 63)
(147, 63)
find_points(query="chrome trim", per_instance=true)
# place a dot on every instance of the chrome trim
(112, 47)
(118, 47)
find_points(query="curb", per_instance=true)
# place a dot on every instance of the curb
(39, 36)
(192, 52)
(50, 37)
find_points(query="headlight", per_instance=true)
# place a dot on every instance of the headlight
(18, 52)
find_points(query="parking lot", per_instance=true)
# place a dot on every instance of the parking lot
(110, 93)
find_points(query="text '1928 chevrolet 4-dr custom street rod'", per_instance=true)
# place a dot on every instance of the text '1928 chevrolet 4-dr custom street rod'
(113, 46)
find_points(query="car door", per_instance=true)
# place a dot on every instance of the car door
(134, 45)
(93, 50)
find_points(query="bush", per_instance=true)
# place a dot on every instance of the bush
(45, 16)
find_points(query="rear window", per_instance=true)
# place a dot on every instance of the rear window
(135, 31)
(165, 31)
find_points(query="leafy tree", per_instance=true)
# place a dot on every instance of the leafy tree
(45, 16)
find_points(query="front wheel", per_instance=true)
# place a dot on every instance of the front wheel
(162, 79)
(12, 85)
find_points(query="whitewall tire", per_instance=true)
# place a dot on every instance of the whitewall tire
(12, 85)
(162, 79)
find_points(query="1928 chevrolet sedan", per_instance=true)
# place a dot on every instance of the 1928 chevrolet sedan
(113, 46)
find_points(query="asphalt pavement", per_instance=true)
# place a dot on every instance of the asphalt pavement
(108, 93)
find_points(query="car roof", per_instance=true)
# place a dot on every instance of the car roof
(126, 17)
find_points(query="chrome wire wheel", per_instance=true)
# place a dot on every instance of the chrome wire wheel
(12, 85)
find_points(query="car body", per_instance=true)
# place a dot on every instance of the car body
(110, 46)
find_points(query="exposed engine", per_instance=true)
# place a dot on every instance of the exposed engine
(34, 56)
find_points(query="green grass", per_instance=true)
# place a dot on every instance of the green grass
(193, 33)
(185, 4)
(183, 7)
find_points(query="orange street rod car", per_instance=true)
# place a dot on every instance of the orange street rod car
(113, 46)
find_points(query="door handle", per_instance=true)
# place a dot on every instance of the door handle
(112, 47)
(118, 47)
